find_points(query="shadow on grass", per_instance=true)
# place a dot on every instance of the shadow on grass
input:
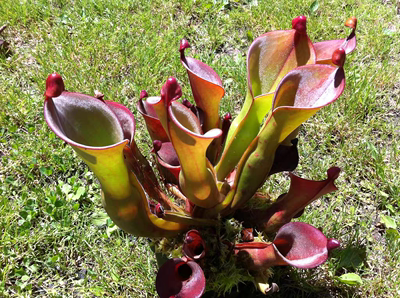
(291, 284)
(309, 283)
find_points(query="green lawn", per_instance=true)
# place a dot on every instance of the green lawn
(55, 239)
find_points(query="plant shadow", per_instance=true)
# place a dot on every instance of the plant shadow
(294, 282)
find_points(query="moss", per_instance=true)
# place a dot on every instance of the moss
(223, 273)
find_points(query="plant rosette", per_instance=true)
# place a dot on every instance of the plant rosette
(211, 167)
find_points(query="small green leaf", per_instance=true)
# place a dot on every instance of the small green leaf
(20, 272)
(58, 203)
(76, 206)
(25, 278)
(389, 222)
(10, 179)
(250, 36)
(13, 128)
(43, 170)
(46, 171)
(115, 276)
(79, 193)
(350, 279)
(110, 230)
(49, 209)
(66, 188)
(390, 208)
(100, 219)
(23, 214)
(314, 7)
(54, 259)
(33, 268)
(393, 234)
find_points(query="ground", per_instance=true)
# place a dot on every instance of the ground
(55, 238)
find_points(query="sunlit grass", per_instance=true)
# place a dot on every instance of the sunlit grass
(54, 238)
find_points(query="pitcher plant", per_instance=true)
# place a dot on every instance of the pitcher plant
(209, 166)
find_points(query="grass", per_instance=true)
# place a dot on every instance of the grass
(55, 239)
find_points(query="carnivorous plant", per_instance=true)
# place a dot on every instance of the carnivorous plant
(212, 166)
